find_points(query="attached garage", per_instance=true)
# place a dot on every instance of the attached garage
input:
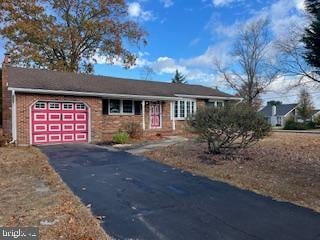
(59, 122)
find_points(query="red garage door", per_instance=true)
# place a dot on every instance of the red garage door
(59, 122)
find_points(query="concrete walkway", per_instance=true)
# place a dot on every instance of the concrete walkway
(139, 148)
(315, 131)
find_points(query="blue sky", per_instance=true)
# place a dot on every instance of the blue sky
(189, 34)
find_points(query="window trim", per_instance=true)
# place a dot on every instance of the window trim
(83, 106)
(67, 108)
(54, 108)
(132, 107)
(40, 103)
(193, 102)
(215, 103)
(121, 108)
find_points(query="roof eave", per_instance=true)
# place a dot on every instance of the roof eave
(112, 95)
(285, 115)
(208, 97)
(90, 94)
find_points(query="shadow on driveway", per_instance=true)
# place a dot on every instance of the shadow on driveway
(143, 199)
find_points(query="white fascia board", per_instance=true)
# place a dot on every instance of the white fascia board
(91, 94)
(209, 97)
(290, 111)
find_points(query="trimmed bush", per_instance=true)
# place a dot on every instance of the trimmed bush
(229, 128)
(310, 125)
(134, 129)
(292, 125)
(120, 137)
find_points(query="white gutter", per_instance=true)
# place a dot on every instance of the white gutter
(111, 95)
(208, 97)
(14, 116)
(93, 94)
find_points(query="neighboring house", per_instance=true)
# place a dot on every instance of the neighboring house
(277, 114)
(45, 107)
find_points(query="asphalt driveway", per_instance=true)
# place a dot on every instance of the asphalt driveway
(143, 199)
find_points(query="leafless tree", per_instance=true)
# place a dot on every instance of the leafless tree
(253, 69)
(291, 61)
(147, 72)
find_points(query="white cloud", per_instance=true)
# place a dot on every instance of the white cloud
(167, 65)
(221, 3)
(207, 60)
(135, 11)
(278, 90)
(167, 3)
(300, 5)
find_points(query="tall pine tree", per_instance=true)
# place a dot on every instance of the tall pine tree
(179, 78)
(311, 37)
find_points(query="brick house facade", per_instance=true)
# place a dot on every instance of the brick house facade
(104, 105)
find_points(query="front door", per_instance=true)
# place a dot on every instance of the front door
(155, 115)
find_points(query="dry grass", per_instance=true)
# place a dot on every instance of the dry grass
(32, 194)
(284, 166)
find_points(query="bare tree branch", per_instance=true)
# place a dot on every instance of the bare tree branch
(253, 70)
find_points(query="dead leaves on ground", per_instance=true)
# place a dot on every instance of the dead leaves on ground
(284, 166)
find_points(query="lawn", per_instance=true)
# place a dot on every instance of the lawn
(32, 194)
(285, 166)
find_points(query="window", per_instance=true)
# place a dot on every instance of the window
(114, 106)
(67, 106)
(40, 105)
(188, 108)
(54, 105)
(176, 109)
(184, 108)
(219, 104)
(279, 121)
(193, 107)
(127, 106)
(120, 107)
(80, 106)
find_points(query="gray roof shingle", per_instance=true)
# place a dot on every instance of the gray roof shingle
(282, 109)
(65, 81)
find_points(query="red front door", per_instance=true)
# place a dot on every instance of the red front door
(155, 115)
(59, 122)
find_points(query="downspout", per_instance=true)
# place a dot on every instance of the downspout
(143, 115)
(172, 116)
(14, 117)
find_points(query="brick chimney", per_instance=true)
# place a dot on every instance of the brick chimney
(7, 59)
(6, 97)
